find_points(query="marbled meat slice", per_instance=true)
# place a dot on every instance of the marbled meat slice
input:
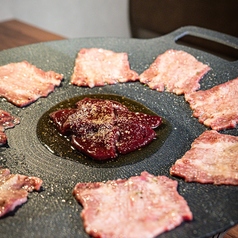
(6, 121)
(211, 159)
(14, 189)
(174, 71)
(23, 83)
(216, 107)
(103, 128)
(98, 67)
(141, 206)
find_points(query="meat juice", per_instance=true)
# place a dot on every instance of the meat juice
(60, 145)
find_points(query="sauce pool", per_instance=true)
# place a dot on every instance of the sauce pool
(61, 146)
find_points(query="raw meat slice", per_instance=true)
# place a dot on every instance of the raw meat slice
(216, 107)
(59, 117)
(14, 189)
(141, 206)
(98, 67)
(211, 159)
(135, 131)
(99, 145)
(88, 102)
(23, 83)
(6, 121)
(174, 71)
(103, 128)
(92, 126)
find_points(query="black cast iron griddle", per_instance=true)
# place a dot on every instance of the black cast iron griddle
(54, 212)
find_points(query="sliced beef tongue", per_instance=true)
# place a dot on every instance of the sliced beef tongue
(211, 159)
(102, 128)
(99, 67)
(141, 206)
(22, 83)
(14, 189)
(6, 121)
(216, 107)
(175, 71)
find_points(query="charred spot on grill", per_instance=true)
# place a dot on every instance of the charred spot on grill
(59, 143)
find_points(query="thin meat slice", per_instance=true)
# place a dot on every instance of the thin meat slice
(211, 159)
(103, 128)
(141, 206)
(23, 83)
(98, 67)
(216, 107)
(6, 121)
(135, 130)
(100, 145)
(59, 118)
(152, 121)
(93, 128)
(14, 189)
(174, 71)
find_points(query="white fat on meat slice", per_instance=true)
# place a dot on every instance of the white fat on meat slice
(216, 107)
(23, 83)
(14, 190)
(99, 67)
(211, 159)
(174, 71)
(141, 206)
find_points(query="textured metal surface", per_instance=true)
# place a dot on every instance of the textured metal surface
(54, 212)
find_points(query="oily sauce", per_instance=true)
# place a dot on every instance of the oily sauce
(61, 146)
